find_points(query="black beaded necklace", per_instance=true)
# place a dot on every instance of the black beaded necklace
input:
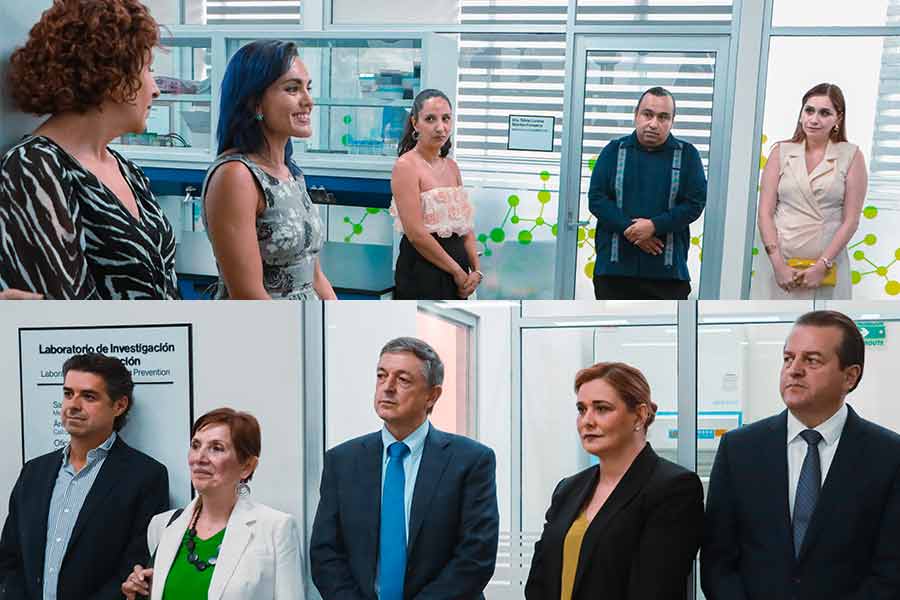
(191, 544)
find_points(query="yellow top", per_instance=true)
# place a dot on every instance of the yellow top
(571, 552)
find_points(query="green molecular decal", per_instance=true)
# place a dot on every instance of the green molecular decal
(497, 235)
(347, 137)
(867, 266)
(585, 235)
(357, 227)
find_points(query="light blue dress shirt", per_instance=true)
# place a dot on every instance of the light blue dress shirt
(416, 444)
(415, 441)
(69, 493)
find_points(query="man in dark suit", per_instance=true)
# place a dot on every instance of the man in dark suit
(805, 505)
(409, 511)
(78, 518)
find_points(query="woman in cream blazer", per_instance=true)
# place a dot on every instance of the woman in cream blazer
(260, 556)
(222, 546)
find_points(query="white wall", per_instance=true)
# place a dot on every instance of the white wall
(354, 335)
(244, 356)
(16, 19)
(494, 395)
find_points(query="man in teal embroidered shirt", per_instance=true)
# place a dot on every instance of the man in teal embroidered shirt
(646, 189)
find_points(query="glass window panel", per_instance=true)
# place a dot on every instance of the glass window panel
(391, 12)
(516, 192)
(643, 12)
(820, 13)
(363, 90)
(868, 71)
(630, 310)
(180, 117)
(739, 348)
(225, 12)
(614, 81)
(513, 12)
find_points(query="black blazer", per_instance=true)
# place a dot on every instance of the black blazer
(640, 545)
(852, 546)
(110, 534)
(453, 524)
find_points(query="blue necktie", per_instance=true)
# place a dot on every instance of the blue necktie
(807, 488)
(392, 541)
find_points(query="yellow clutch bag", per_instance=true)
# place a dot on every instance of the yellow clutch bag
(805, 263)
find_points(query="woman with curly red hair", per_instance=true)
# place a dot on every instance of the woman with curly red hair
(78, 220)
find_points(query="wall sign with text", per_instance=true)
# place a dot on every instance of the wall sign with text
(528, 132)
(159, 421)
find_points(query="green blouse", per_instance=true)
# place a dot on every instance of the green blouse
(185, 582)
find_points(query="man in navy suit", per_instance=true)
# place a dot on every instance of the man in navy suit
(78, 516)
(805, 505)
(408, 511)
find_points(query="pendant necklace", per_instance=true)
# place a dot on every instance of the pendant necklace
(190, 543)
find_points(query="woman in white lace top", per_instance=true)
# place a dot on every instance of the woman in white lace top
(438, 254)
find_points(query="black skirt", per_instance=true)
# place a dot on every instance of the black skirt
(416, 278)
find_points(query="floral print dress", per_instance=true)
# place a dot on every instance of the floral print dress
(290, 234)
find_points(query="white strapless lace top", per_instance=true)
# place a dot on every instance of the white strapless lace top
(445, 210)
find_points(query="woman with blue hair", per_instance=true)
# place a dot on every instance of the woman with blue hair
(265, 232)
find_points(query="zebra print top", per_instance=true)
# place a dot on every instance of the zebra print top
(67, 236)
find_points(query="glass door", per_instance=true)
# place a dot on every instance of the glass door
(609, 76)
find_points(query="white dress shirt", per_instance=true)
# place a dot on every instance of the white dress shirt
(796, 448)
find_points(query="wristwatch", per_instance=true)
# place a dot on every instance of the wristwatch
(828, 263)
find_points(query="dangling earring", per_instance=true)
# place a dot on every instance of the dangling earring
(415, 135)
(259, 117)
(243, 489)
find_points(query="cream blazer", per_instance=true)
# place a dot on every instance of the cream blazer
(260, 556)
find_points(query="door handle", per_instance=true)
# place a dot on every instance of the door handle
(579, 223)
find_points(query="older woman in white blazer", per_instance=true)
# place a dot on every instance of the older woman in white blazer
(223, 545)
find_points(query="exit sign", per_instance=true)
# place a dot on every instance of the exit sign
(873, 332)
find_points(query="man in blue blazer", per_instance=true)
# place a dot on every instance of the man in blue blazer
(409, 511)
(805, 505)
(78, 517)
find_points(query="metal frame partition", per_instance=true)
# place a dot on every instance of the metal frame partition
(313, 421)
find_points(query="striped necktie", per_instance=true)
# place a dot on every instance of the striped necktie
(807, 487)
